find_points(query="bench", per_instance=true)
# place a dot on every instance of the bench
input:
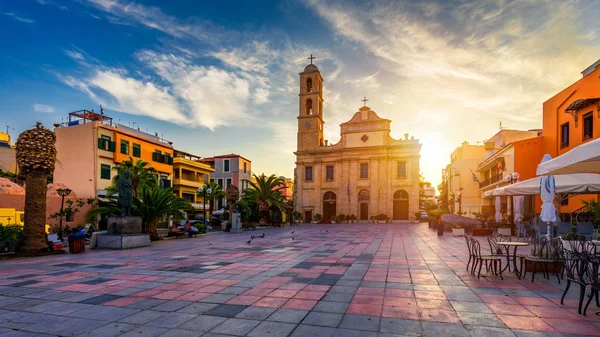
(176, 233)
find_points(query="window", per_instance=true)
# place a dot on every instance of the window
(220, 182)
(329, 173)
(309, 85)
(212, 180)
(308, 173)
(588, 126)
(164, 182)
(137, 150)
(124, 147)
(228, 182)
(564, 135)
(187, 196)
(565, 200)
(309, 106)
(104, 143)
(245, 167)
(401, 169)
(364, 170)
(226, 165)
(105, 171)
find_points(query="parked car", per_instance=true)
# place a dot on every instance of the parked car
(424, 216)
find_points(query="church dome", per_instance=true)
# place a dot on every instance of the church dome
(311, 68)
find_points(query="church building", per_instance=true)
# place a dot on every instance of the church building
(366, 173)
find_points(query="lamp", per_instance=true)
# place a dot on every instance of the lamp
(63, 192)
(204, 191)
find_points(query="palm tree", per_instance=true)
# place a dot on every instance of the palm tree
(36, 156)
(216, 192)
(154, 204)
(142, 176)
(266, 192)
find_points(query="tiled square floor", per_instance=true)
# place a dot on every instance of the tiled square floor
(344, 280)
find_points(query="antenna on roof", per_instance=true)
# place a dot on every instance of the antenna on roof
(501, 125)
(101, 110)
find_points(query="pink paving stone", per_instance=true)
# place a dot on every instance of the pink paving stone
(229, 283)
(244, 300)
(370, 291)
(193, 296)
(400, 312)
(399, 293)
(147, 293)
(283, 293)
(73, 287)
(268, 285)
(577, 327)
(190, 287)
(434, 304)
(39, 285)
(436, 315)
(404, 280)
(365, 299)
(309, 295)
(257, 292)
(317, 287)
(364, 309)
(168, 286)
(107, 290)
(169, 295)
(431, 295)
(404, 302)
(293, 286)
(534, 301)
(552, 312)
(270, 302)
(123, 301)
(531, 323)
(374, 278)
(213, 288)
(299, 304)
(509, 309)
(497, 299)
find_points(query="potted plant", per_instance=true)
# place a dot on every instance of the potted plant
(11, 236)
(372, 219)
(341, 218)
(457, 230)
(381, 218)
(317, 218)
(504, 230)
(333, 219)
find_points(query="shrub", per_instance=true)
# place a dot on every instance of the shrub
(342, 218)
(201, 228)
(317, 217)
(12, 232)
(573, 236)
(333, 218)
(418, 215)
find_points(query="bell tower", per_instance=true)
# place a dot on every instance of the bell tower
(310, 116)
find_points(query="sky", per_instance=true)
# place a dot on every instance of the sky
(222, 76)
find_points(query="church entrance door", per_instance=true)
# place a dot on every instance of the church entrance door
(364, 211)
(329, 205)
(400, 205)
(307, 216)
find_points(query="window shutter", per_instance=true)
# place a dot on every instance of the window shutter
(100, 143)
(112, 147)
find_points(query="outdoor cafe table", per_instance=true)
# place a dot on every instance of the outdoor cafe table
(515, 244)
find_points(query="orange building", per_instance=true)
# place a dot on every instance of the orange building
(89, 146)
(571, 118)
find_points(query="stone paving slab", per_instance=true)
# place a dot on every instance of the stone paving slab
(344, 280)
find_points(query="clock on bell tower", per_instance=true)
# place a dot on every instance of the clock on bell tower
(310, 116)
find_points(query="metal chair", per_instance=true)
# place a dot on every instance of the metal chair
(481, 258)
(574, 266)
(544, 253)
(468, 239)
(586, 229)
(591, 263)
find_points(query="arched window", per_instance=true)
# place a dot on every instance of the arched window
(401, 195)
(309, 87)
(363, 195)
(309, 106)
(329, 196)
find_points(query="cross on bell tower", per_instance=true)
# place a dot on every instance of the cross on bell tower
(311, 58)
(364, 100)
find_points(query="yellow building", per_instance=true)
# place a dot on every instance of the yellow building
(463, 191)
(366, 173)
(8, 160)
(190, 173)
(89, 146)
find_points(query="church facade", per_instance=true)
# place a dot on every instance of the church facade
(366, 173)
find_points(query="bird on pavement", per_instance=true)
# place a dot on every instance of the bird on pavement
(248, 242)
(327, 230)
(293, 232)
(292, 238)
(262, 236)
(210, 243)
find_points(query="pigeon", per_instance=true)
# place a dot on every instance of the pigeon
(248, 242)
(210, 243)
(293, 232)
(327, 230)
(292, 238)
(251, 237)
(262, 236)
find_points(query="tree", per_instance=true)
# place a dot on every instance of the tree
(72, 207)
(233, 194)
(36, 157)
(266, 193)
(153, 204)
(216, 192)
(141, 173)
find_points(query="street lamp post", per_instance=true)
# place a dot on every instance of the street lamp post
(63, 192)
(511, 179)
(204, 191)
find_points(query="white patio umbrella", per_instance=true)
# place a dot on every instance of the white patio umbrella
(578, 183)
(498, 206)
(518, 207)
(584, 158)
(547, 192)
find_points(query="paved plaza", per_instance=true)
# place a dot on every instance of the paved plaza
(344, 280)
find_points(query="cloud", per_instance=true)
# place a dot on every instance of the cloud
(75, 55)
(37, 107)
(52, 3)
(19, 18)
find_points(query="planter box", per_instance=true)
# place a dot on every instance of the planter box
(314, 221)
(504, 231)
(482, 231)
(458, 231)
(549, 266)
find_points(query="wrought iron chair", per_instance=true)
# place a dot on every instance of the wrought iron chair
(591, 275)
(495, 249)
(468, 239)
(544, 253)
(574, 266)
(488, 259)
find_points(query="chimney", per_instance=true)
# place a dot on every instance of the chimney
(406, 136)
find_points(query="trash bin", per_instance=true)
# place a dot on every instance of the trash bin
(76, 244)
(440, 228)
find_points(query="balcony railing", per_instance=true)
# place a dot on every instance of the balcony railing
(493, 180)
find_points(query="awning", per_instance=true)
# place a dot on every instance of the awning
(581, 183)
(581, 103)
(584, 158)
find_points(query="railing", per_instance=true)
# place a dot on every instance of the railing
(493, 180)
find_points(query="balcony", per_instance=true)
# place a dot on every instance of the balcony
(188, 183)
(493, 180)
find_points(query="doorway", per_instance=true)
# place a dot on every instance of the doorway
(363, 201)
(307, 216)
(329, 205)
(400, 205)
(364, 211)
